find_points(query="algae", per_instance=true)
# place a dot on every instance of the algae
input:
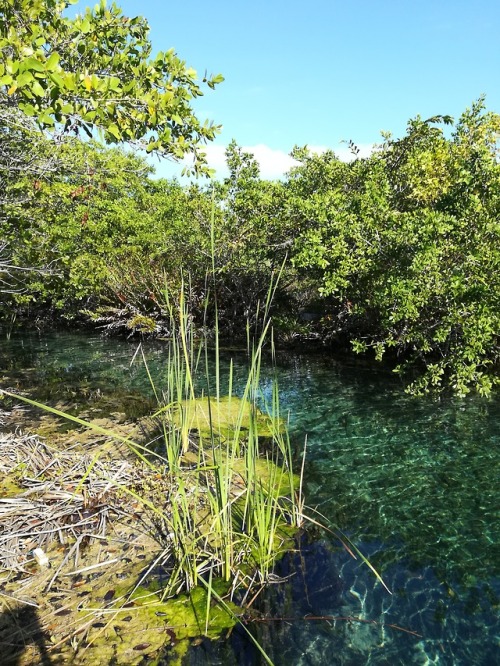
(9, 487)
(116, 614)
(103, 618)
(226, 417)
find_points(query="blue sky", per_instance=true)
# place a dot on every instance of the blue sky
(320, 72)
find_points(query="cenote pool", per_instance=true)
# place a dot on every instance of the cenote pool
(413, 482)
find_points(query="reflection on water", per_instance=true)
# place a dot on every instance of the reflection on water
(414, 482)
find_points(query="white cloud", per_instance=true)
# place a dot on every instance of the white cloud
(216, 157)
(273, 162)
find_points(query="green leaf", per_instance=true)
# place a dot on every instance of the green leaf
(52, 62)
(89, 116)
(85, 26)
(114, 83)
(69, 82)
(57, 79)
(24, 78)
(114, 131)
(28, 109)
(37, 89)
(33, 64)
(45, 119)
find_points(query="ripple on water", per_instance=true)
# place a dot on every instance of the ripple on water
(414, 482)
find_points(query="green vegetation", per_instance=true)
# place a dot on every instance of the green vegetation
(221, 509)
(408, 241)
(397, 252)
(95, 72)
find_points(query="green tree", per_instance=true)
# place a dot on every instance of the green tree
(68, 221)
(251, 241)
(109, 236)
(61, 77)
(407, 245)
(96, 72)
(25, 155)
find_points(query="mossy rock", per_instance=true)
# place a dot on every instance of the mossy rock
(226, 417)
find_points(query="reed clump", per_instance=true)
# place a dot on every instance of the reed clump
(228, 456)
(212, 490)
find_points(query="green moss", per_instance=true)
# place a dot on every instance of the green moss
(9, 487)
(273, 478)
(146, 626)
(226, 417)
(142, 626)
(141, 324)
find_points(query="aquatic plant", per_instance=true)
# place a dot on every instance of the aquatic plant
(219, 488)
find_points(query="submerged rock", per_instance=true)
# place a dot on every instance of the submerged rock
(224, 417)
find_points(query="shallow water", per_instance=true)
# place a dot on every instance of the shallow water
(413, 482)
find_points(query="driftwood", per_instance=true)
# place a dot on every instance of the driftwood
(71, 536)
(67, 493)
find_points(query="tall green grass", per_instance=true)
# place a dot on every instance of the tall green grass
(233, 505)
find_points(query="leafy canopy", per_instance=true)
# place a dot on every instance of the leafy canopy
(407, 241)
(96, 72)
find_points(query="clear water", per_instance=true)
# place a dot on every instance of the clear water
(413, 482)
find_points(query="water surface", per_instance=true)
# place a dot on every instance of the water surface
(413, 482)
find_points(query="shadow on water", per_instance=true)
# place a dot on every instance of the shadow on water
(414, 481)
(20, 630)
(308, 600)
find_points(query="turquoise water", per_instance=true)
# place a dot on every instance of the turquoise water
(413, 482)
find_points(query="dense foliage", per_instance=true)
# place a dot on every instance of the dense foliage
(63, 77)
(408, 241)
(397, 253)
(95, 72)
